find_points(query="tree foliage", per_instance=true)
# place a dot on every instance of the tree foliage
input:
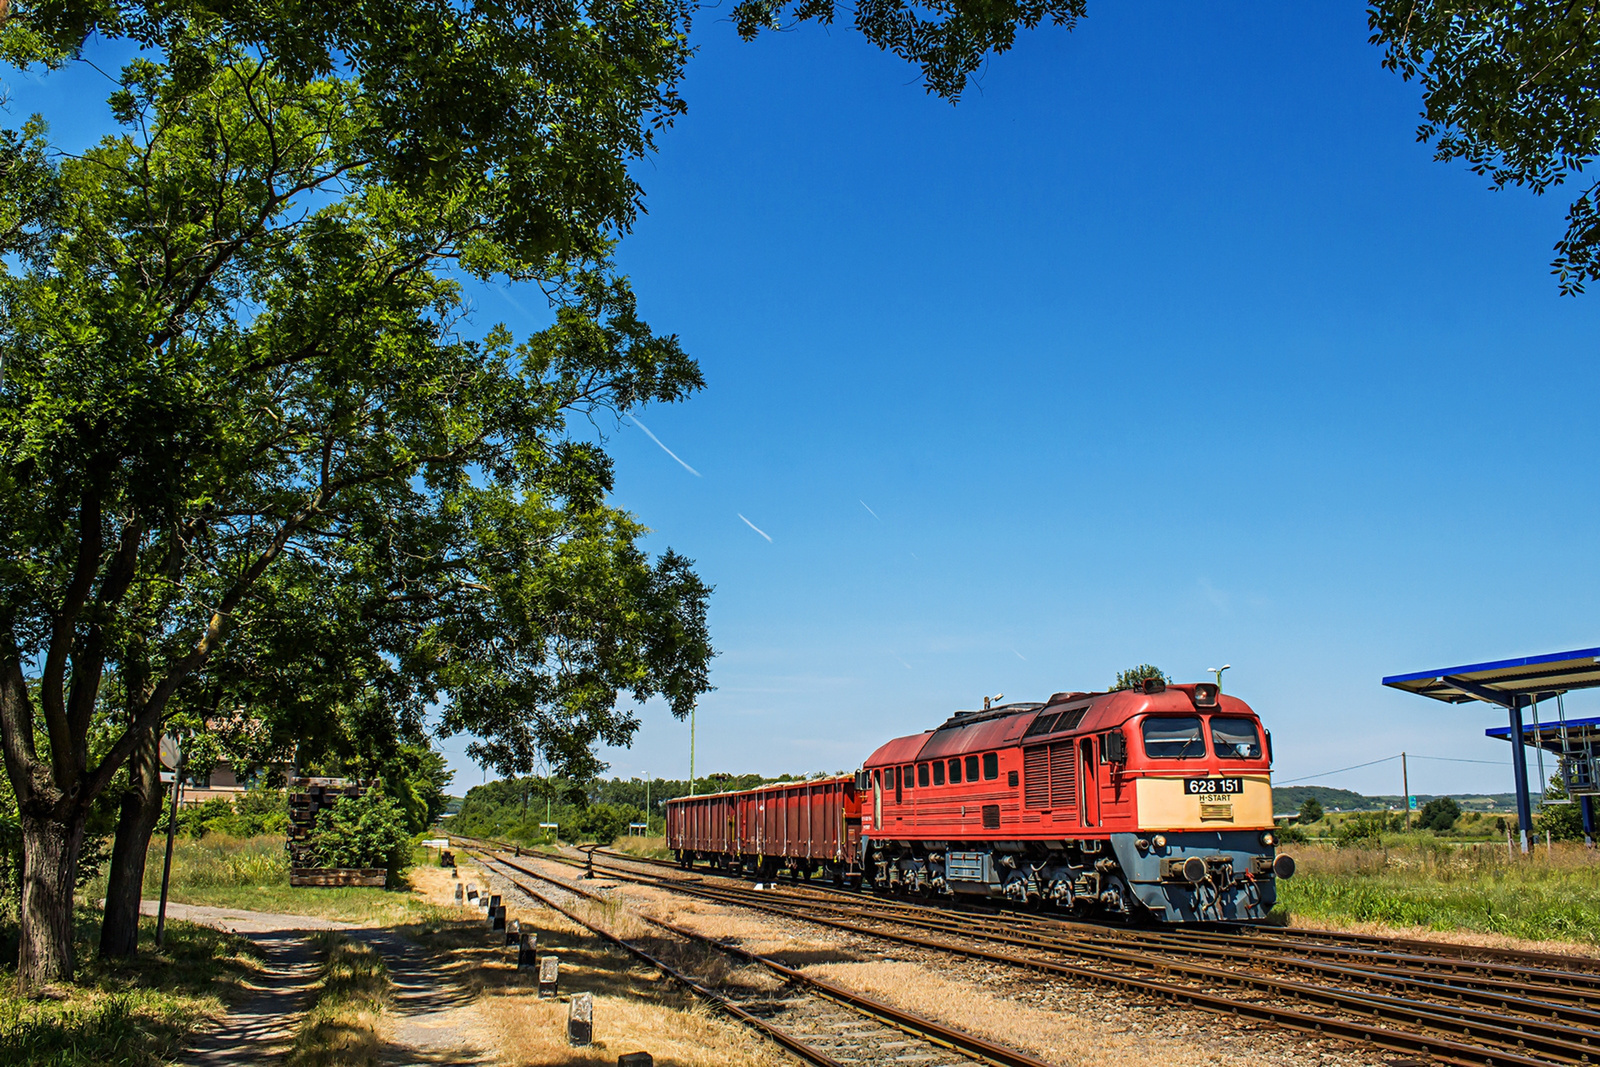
(1439, 814)
(1563, 822)
(365, 831)
(1511, 88)
(247, 440)
(1310, 810)
(1134, 677)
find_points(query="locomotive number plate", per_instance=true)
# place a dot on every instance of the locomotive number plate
(1213, 787)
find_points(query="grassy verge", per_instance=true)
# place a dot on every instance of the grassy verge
(253, 873)
(133, 1013)
(648, 847)
(1554, 895)
(341, 1027)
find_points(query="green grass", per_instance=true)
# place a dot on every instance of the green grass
(126, 1014)
(1437, 886)
(252, 873)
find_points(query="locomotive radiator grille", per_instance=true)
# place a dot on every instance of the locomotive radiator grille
(1049, 776)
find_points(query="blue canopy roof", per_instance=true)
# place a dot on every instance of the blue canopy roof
(1578, 731)
(1506, 681)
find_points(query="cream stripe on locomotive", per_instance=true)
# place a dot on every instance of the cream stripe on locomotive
(1165, 804)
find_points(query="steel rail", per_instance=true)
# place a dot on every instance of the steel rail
(937, 1033)
(1497, 982)
(1515, 965)
(1499, 1047)
(1456, 989)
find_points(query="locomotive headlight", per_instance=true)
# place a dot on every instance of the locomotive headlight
(1268, 838)
(1160, 841)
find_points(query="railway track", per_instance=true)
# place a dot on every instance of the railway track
(822, 1023)
(1466, 1006)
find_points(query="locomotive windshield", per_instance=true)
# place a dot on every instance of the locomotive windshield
(1235, 738)
(1174, 737)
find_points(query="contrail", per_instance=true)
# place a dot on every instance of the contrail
(1019, 655)
(664, 448)
(747, 522)
(874, 514)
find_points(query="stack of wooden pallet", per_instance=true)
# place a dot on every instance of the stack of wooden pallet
(308, 798)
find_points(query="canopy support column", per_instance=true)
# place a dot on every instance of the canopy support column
(1519, 773)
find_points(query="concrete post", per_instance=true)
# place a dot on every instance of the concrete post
(472, 891)
(549, 975)
(580, 1021)
(513, 933)
(636, 1059)
(497, 918)
(494, 900)
(528, 946)
(460, 893)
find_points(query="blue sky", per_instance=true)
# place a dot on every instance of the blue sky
(1167, 344)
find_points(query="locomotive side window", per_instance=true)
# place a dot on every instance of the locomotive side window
(955, 771)
(905, 775)
(922, 775)
(1174, 737)
(1235, 738)
(991, 766)
(938, 772)
(972, 768)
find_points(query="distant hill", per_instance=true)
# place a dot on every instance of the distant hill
(1288, 799)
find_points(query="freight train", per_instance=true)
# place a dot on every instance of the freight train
(1153, 802)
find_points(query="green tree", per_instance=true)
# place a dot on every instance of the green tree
(1439, 814)
(1134, 677)
(1310, 810)
(1510, 87)
(1562, 821)
(216, 377)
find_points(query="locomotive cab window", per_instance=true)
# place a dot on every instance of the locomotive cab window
(1235, 738)
(1174, 737)
(991, 766)
(922, 775)
(938, 772)
(955, 772)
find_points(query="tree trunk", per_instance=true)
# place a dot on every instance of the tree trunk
(141, 810)
(50, 846)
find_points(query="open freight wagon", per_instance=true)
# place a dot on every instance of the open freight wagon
(799, 827)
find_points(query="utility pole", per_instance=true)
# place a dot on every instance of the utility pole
(691, 752)
(646, 801)
(1405, 783)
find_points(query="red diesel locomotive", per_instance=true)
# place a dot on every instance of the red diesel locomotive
(1155, 801)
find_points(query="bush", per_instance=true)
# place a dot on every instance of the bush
(1310, 811)
(1439, 814)
(1291, 835)
(1366, 829)
(604, 823)
(365, 831)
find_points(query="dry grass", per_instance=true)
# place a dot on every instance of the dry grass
(635, 1008)
(341, 1027)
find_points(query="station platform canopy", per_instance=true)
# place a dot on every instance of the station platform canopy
(1547, 735)
(1526, 682)
(1503, 681)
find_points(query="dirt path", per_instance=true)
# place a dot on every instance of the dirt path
(429, 1020)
